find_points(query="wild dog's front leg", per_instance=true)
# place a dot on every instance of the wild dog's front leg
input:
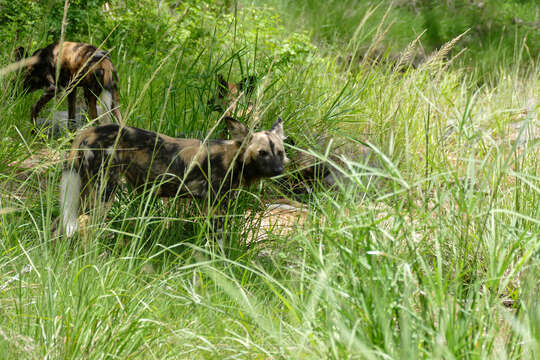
(47, 95)
(217, 212)
(100, 194)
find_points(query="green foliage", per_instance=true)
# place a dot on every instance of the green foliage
(43, 20)
(428, 250)
(495, 28)
(489, 22)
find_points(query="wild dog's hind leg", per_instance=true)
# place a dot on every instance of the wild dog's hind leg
(96, 174)
(72, 111)
(115, 105)
(91, 100)
(103, 183)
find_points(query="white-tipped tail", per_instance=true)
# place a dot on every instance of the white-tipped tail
(106, 102)
(70, 191)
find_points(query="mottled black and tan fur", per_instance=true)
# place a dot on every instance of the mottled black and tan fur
(81, 65)
(105, 154)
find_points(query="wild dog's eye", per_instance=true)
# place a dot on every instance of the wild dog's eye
(263, 153)
(280, 154)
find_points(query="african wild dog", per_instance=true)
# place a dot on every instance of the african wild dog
(177, 167)
(81, 65)
(309, 171)
(226, 99)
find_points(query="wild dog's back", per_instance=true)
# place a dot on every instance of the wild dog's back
(144, 156)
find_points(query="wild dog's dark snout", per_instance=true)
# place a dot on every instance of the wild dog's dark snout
(277, 166)
(278, 170)
(19, 53)
(270, 166)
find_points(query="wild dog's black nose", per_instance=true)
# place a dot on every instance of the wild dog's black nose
(278, 170)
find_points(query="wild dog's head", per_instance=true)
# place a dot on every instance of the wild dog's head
(228, 93)
(264, 154)
(20, 53)
(35, 74)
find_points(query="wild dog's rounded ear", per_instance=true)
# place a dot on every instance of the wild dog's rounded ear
(237, 130)
(277, 129)
(19, 53)
(247, 84)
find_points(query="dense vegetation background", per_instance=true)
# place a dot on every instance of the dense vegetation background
(428, 250)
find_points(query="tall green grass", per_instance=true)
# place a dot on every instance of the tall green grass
(495, 30)
(436, 257)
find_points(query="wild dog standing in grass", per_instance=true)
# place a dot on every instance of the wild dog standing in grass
(81, 65)
(176, 167)
(226, 99)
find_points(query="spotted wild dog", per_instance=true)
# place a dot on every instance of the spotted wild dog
(228, 93)
(81, 65)
(105, 154)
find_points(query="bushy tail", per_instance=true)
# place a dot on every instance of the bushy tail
(70, 191)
